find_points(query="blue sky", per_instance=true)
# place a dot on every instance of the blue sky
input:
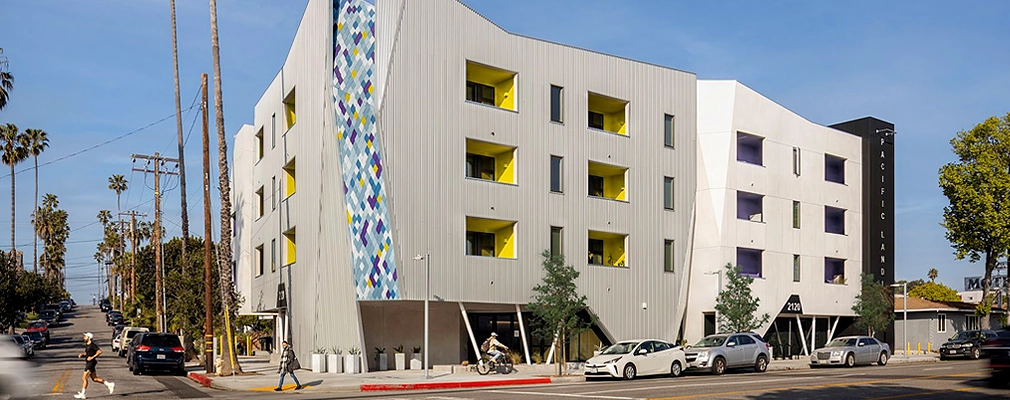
(88, 72)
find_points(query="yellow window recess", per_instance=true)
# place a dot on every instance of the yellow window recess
(490, 161)
(608, 249)
(608, 114)
(289, 109)
(490, 237)
(490, 85)
(290, 247)
(608, 181)
(289, 178)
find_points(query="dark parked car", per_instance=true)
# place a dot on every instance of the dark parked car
(38, 326)
(38, 341)
(25, 344)
(114, 318)
(997, 350)
(105, 305)
(156, 351)
(50, 317)
(966, 344)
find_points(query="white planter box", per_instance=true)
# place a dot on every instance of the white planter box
(333, 364)
(318, 363)
(352, 364)
(416, 361)
(401, 361)
(383, 361)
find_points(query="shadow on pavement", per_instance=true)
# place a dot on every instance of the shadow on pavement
(879, 390)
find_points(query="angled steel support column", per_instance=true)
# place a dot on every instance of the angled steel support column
(466, 320)
(803, 339)
(522, 331)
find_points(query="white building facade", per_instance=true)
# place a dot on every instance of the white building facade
(419, 132)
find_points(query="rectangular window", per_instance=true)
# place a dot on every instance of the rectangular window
(289, 179)
(259, 144)
(273, 131)
(289, 110)
(273, 255)
(478, 93)
(796, 161)
(749, 148)
(749, 261)
(667, 193)
(259, 260)
(668, 256)
(290, 247)
(490, 161)
(668, 130)
(596, 186)
(796, 214)
(834, 270)
(556, 245)
(595, 120)
(608, 181)
(260, 205)
(749, 206)
(273, 193)
(479, 167)
(834, 220)
(557, 103)
(557, 181)
(607, 249)
(491, 86)
(834, 169)
(941, 323)
(490, 237)
(972, 322)
(796, 267)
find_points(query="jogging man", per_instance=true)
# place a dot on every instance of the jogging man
(90, 356)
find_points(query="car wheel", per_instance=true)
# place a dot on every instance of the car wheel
(629, 371)
(676, 369)
(850, 360)
(718, 366)
(761, 365)
(136, 371)
(975, 354)
(882, 360)
(943, 358)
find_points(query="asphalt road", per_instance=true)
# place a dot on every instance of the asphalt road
(58, 370)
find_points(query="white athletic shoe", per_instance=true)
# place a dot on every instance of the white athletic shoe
(80, 395)
(111, 386)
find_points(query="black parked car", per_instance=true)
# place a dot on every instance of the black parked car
(105, 305)
(114, 318)
(997, 350)
(50, 317)
(156, 351)
(39, 341)
(966, 344)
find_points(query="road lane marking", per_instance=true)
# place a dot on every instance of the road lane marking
(937, 368)
(817, 386)
(581, 396)
(932, 392)
(699, 384)
(61, 382)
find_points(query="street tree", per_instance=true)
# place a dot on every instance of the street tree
(736, 305)
(6, 80)
(874, 306)
(12, 144)
(934, 292)
(38, 142)
(557, 303)
(51, 225)
(977, 186)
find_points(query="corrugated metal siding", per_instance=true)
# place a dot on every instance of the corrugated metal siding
(424, 121)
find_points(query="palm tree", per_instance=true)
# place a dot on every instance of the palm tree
(933, 273)
(38, 141)
(182, 148)
(12, 143)
(119, 184)
(231, 365)
(6, 81)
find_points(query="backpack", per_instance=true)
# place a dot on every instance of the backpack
(486, 345)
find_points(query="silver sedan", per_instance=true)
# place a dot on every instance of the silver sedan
(851, 350)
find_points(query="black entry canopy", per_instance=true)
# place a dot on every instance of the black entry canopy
(792, 306)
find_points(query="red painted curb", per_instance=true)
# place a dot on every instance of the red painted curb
(200, 378)
(454, 385)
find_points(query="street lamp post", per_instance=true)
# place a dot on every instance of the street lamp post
(904, 316)
(427, 288)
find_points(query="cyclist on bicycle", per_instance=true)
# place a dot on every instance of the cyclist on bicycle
(491, 346)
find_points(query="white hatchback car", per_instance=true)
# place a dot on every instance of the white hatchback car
(632, 358)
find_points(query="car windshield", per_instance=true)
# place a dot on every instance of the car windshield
(34, 335)
(131, 333)
(19, 339)
(36, 325)
(48, 313)
(711, 341)
(965, 335)
(842, 342)
(161, 340)
(620, 348)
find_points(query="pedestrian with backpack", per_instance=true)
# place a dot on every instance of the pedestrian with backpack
(289, 364)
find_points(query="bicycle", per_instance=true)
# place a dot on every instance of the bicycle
(503, 365)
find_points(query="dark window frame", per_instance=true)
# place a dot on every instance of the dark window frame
(477, 166)
(596, 120)
(669, 130)
(595, 245)
(557, 178)
(597, 186)
(479, 93)
(558, 236)
(477, 242)
(669, 256)
(834, 220)
(669, 191)
(744, 257)
(557, 110)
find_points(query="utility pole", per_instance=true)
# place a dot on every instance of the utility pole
(159, 274)
(182, 147)
(208, 321)
(133, 254)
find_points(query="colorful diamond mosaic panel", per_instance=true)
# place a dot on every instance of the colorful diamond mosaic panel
(373, 258)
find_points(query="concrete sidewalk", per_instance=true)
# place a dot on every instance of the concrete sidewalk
(264, 377)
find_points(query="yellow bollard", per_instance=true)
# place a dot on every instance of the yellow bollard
(918, 349)
(908, 348)
(929, 347)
